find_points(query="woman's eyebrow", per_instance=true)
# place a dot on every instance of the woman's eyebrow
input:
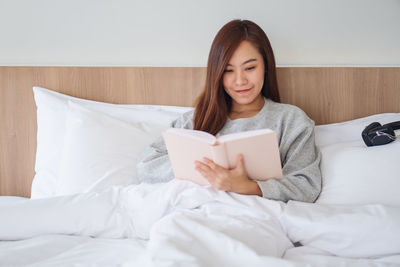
(247, 61)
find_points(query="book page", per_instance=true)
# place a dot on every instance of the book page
(261, 155)
(195, 134)
(240, 135)
(219, 155)
(183, 151)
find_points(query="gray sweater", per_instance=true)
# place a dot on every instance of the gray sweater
(299, 155)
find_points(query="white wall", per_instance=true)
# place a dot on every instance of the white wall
(180, 32)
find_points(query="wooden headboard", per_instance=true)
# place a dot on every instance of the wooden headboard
(326, 94)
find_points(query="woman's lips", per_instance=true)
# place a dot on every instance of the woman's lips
(242, 91)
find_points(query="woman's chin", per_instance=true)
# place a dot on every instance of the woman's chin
(246, 99)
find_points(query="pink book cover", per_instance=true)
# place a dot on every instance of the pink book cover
(259, 148)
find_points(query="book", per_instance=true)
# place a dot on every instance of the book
(259, 148)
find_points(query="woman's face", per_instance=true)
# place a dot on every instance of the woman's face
(243, 78)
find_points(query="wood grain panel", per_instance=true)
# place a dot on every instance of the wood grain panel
(326, 94)
(330, 95)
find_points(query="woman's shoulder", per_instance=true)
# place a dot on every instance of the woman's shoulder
(185, 120)
(289, 112)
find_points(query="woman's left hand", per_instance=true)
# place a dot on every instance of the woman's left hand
(233, 180)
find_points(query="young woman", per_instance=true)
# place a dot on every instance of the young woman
(241, 94)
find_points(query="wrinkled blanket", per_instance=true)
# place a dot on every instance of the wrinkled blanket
(189, 225)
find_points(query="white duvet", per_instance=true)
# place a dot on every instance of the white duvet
(182, 224)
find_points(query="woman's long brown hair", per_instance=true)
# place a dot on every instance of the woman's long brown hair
(214, 104)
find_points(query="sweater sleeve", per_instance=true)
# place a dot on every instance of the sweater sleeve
(154, 165)
(300, 159)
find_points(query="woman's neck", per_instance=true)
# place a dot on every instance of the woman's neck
(246, 110)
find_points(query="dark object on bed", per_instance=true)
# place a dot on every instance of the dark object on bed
(376, 134)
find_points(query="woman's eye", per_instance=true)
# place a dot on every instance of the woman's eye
(227, 70)
(250, 68)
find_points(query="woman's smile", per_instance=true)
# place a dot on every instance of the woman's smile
(243, 91)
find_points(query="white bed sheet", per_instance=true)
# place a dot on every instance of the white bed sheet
(188, 225)
(66, 250)
(317, 257)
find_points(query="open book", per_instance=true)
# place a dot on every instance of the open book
(259, 149)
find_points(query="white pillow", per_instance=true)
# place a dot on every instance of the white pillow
(353, 173)
(100, 151)
(52, 108)
(334, 133)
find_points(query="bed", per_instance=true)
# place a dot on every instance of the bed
(69, 130)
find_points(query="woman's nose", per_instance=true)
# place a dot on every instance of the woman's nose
(240, 78)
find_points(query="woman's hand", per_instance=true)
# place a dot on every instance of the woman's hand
(233, 180)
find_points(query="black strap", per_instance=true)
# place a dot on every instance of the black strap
(394, 125)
